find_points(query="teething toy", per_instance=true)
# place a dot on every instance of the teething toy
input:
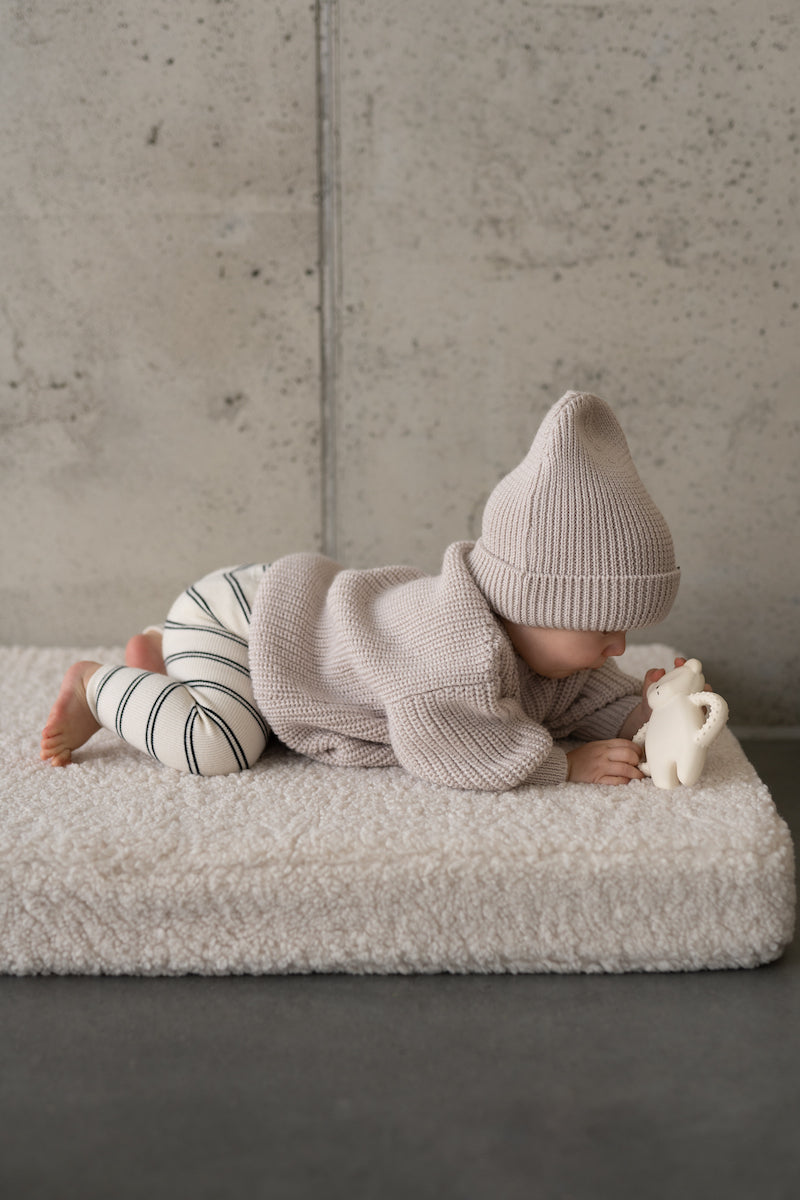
(679, 732)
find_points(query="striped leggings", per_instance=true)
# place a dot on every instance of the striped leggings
(201, 716)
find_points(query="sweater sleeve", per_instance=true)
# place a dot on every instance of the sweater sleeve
(458, 739)
(606, 698)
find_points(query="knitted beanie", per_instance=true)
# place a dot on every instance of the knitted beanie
(571, 538)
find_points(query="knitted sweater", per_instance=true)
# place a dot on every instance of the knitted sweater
(379, 667)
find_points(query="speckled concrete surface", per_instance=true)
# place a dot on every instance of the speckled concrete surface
(534, 196)
(158, 329)
(543, 196)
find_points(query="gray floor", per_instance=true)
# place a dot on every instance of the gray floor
(536, 1086)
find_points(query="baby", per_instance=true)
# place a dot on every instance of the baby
(467, 679)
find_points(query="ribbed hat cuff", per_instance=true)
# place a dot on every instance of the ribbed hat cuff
(598, 603)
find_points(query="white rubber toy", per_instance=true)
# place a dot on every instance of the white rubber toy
(683, 724)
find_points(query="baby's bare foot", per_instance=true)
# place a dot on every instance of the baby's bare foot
(71, 721)
(144, 652)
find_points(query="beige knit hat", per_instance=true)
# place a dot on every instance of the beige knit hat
(571, 538)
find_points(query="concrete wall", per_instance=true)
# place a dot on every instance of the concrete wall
(523, 197)
(160, 362)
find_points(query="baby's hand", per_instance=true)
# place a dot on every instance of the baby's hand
(615, 761)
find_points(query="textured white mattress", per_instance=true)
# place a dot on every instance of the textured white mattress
(117, 865)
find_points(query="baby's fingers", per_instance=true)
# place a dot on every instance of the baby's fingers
(622, 750)
(622, 762)
(614, 761)
(620, 773)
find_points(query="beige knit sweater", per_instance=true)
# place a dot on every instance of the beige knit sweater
(378, 667)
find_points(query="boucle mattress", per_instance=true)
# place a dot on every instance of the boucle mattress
(117, 865)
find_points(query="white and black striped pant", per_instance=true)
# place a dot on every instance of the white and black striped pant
(201, 716)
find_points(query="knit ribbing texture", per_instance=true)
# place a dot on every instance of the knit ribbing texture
(571, 538)
(376, 667)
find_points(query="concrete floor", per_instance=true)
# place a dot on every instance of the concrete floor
(501, 1087)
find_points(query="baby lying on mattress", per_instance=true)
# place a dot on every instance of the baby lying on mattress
(464, 679)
